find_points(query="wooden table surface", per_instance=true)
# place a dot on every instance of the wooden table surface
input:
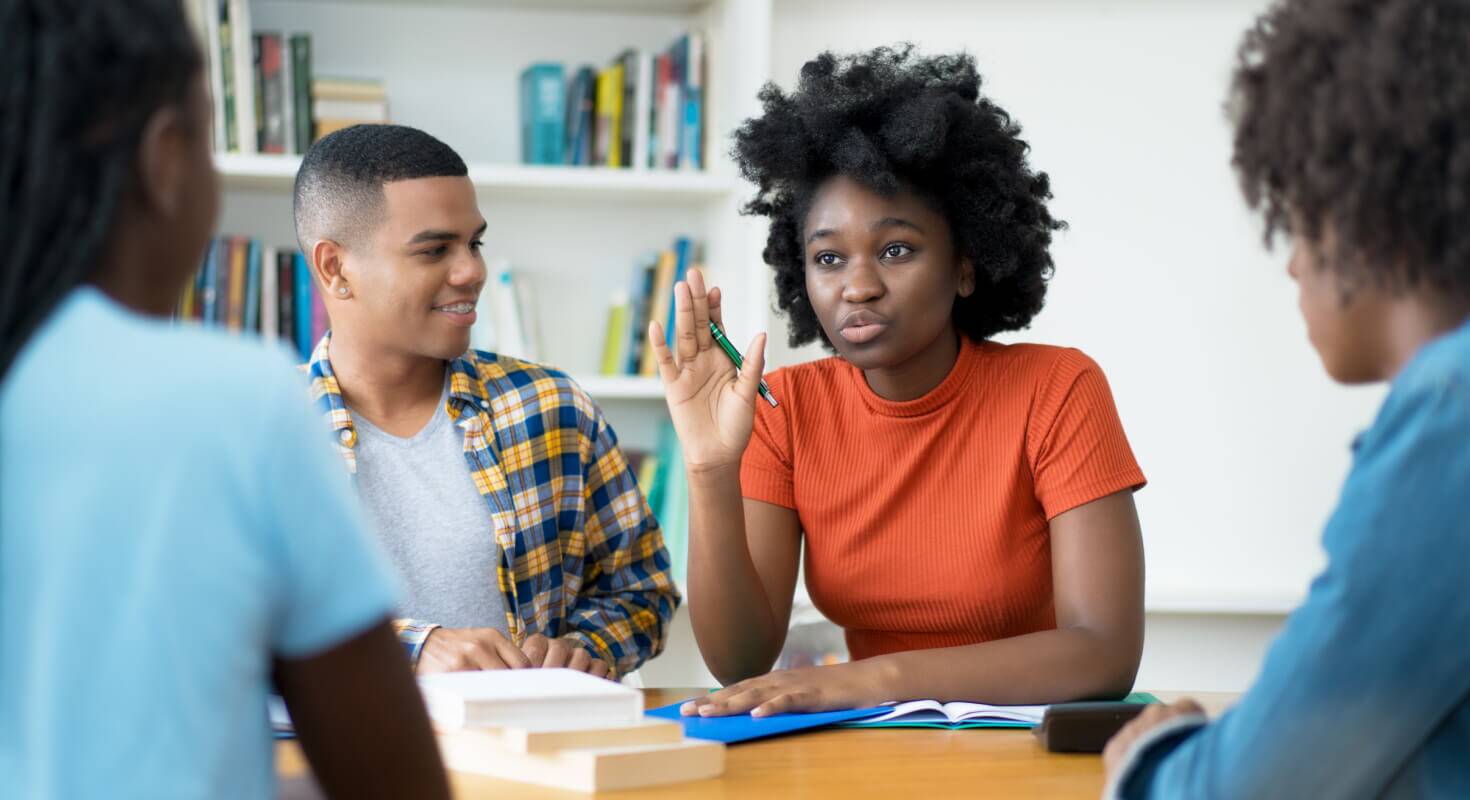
(845, 763)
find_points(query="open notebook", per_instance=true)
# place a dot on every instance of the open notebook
(957, 716)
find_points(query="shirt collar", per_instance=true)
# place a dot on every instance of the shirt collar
(466, 390)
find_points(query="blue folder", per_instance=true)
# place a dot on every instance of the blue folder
(744, 727)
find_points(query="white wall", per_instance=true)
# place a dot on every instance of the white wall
(1162, 279)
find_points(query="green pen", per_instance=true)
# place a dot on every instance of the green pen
(737, 360)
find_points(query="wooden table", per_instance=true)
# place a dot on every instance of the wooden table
(842, 763)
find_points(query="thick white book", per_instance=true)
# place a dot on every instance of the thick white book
(642, 120)
(648, 730)
(244, 51)
(534, 699)
(600, 769)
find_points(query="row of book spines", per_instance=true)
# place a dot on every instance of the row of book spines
(243, 286)
(650, 296)
(260, 83)
(642, 110)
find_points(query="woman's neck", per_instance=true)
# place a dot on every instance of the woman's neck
(919, 375)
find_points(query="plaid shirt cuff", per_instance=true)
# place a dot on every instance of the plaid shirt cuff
(597, 649)
(411, 634)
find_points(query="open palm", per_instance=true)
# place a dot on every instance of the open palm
(711, 403)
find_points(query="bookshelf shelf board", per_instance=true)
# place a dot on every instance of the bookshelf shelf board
(621, 387)
(276, 173)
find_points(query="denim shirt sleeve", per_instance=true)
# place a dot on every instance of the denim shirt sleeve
(1374, 660)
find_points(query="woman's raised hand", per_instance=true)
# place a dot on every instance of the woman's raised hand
(711, 403)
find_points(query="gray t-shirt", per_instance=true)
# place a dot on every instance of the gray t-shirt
(433, 522)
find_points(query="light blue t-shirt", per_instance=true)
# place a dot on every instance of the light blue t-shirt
(1366, 692)
(170, 521)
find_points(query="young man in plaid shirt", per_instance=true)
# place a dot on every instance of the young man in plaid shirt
(497, 486)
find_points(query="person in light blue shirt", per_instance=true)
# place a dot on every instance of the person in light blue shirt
(1353, 135)
(174, 536)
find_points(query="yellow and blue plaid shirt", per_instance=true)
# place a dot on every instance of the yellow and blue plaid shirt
(583, 556)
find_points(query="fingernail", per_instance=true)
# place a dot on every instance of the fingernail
(759, 712)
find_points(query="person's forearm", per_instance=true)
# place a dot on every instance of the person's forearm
(733, 621)
(1045, 667)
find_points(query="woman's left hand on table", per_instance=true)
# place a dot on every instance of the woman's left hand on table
(787, 691)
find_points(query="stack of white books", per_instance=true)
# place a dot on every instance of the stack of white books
(560, 728)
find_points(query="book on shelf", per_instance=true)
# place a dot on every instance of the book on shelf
(259, 82)
(272, 133)
(608, 149)
(641, 110)
(649, 296)
(581, 105)
(339, 103)
(543, 113)
(661, 479)
(507, 321)
(246, 286)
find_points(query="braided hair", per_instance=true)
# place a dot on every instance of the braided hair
(79, 80)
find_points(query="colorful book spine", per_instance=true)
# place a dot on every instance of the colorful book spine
(667, 99)
(643, 280)
(270, 297)
(216, 72)
(543, 113)
(683, 254)
(302, 303)
(301, 89)
(691, 149)
(209, 284)
(615, 341)
(660, 306)
(272, 99)
(609, 116)
(235, 291)
(628, 123)
(679, 62)
(227, 77)
(581, 117)
(244, 57)
(251, 319)
(286, 290)
(643, 117)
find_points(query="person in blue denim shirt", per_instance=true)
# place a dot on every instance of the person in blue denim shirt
(1353, 136)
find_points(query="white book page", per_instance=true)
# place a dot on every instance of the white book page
(970, 712)
(919, 709)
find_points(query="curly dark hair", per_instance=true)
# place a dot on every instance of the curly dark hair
(1354, 115)
(893, 120)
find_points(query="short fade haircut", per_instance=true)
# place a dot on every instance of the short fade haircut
(1354, 116)
(339, 188)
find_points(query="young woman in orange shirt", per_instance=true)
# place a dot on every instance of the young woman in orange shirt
(966, 506)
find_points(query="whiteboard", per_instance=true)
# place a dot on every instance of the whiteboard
(1161, 277)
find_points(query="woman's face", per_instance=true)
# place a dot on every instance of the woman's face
(1343, 325)
(881, 273)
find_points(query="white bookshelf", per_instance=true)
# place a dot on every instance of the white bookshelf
(619, 387)
(575, 232)
(511, 181)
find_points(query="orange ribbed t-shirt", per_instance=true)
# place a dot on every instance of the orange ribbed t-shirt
(925, 521)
